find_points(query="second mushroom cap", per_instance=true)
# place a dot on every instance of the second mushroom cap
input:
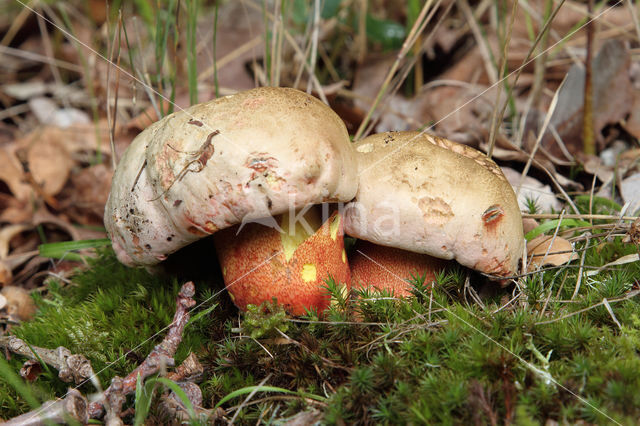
(429, 195)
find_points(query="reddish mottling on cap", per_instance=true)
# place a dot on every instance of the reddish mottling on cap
(492, 217)
(436, 197)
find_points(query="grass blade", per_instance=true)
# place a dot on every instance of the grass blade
(62, 250)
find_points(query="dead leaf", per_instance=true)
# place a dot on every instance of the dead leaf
(531, 189)
(515, 154)
(20, 305)
(74, 139)
(30, 370)
(529, 224)
(633, 235)
(12, 174)
(6, 234)
(26, 90)
(452, 106)
(547, 250)
(612, 99)
(596, 166)
(238, 43)
(42, 216)
(14, 210)
(83, 200)
(11, 263)
(48, 112)
(5, 279)
(630, 191)
(50, 164)
(632, 124)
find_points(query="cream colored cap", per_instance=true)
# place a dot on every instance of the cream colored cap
(251, 155)
(429, 195)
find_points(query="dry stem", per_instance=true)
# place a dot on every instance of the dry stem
(70, 366)
(73, 406)
(162, 354)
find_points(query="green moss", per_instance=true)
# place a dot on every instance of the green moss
(434, 358)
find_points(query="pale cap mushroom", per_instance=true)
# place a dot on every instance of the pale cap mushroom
(251, 155)
(429, 195)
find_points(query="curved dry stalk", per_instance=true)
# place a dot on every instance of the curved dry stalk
(578, 216)
(604, 301)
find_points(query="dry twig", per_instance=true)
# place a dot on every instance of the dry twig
(73, 406)
(161, 356)
(70, 366)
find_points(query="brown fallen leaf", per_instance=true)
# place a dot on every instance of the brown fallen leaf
(5, 278)
(50, 164)
(6, 235)
(529, 224)
(632, 124)
(74, 139)
(547, 250)
(11, 263)
(12, 174)
(612, 99)
(20, 305)
(14, 210)
(448, 104)
(85, 195)
(633, 235)
(31, 370)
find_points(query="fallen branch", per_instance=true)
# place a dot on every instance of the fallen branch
(161, 356)
(173, 408)
(189, 371)
(72, 407)
(70, 366)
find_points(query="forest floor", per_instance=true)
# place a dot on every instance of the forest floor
(550, 90)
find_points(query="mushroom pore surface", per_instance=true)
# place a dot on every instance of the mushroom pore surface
(429, 195)
(247, 156)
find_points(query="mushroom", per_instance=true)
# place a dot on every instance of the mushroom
(299, 261)
(390, 269)
(241, 159)
(428, 195)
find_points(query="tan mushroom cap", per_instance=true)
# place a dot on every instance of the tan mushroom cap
(429, 195)
(251, 155)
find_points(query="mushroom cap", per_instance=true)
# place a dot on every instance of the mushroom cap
(429, 195)
(232, 160)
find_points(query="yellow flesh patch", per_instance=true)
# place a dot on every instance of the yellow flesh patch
(333, 227)
(344, 257)
(293, 236)
(309, 272)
